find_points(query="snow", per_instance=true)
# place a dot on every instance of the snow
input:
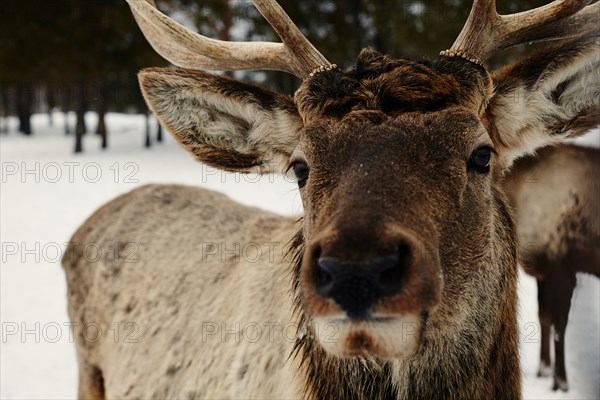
(47, 192)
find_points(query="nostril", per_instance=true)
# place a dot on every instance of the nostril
(324, 277)
(404, 253)
(390, 280)
(393, 270)
(387, 275)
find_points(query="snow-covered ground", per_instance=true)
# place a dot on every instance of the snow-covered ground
(47, 192)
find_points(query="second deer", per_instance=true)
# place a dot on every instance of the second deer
(557, 200)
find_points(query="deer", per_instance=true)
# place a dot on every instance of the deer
(399, 281)
(555, 194)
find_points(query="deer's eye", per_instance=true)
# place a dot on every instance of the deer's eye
(481, 159)
(301, 172)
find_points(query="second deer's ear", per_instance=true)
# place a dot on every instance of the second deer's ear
(227, 124)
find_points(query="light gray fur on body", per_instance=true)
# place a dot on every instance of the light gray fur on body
(170, 295)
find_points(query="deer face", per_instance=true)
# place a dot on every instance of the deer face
(407, 243)
(388, 189)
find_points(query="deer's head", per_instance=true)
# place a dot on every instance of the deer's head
(406, 235)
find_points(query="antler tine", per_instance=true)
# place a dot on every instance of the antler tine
(486, 32)
(187, 49)
(302, 49)
(588, 18)
(173, 52)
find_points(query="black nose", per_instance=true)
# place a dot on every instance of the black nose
(356, 287)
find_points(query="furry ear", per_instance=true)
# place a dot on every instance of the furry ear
(547, 98)
(224, 123)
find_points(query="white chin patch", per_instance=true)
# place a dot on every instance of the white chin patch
(387, 338)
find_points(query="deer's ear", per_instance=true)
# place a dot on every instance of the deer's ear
(225, 123)
(546, 98)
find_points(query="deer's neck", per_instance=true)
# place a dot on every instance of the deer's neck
(471, 366)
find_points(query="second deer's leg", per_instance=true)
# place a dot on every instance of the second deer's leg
(562, 282)
(545, 326)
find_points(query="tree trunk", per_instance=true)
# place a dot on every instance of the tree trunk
(148, 142)
(3, 109)
(67, 126)
(101, 129)
(78, 138)
(356, 7)
(24, 100)
(159, 132)
(80, 128)
(51, 102)
(66, 95)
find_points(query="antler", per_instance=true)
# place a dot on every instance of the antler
(486, 33)
(185, 48)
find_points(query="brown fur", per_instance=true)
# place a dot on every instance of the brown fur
(394, 87)
(388, 145)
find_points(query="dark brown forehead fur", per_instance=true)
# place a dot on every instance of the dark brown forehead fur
(394, 86)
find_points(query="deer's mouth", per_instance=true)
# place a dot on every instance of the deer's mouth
(381, 337)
